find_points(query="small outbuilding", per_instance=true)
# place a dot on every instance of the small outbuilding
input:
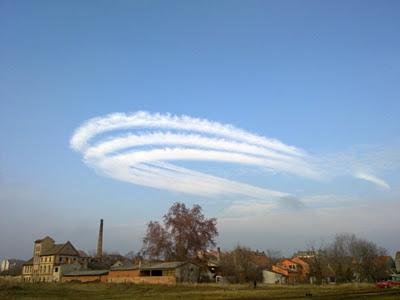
(156, 273)
(270, 277)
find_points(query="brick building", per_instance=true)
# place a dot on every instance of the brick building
(50, 260)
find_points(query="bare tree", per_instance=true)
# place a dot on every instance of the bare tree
(240, 264)
(134, 256)
(340, 256)
(356, 258)
(183, 233)
(157, 243)
(273, 256)
(317, 261)
(367, 256)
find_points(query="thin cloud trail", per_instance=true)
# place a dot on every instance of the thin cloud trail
(142, 119)
(169, 138)
(373, 179)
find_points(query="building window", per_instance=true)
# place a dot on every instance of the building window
(156, 273)
(56, 270)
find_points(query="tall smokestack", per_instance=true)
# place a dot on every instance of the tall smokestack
(99, 253)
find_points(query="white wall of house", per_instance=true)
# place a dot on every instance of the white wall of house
(270, 277)
(4, 265)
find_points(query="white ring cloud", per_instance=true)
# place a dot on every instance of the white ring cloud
(141, 147)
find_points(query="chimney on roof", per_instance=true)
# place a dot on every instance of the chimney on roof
(99, 252)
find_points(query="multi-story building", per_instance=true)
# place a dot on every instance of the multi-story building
(50, 260)
(10, 264)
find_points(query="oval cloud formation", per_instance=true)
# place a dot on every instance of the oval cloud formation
(140, 148)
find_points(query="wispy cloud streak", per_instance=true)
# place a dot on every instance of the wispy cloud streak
(373, 179)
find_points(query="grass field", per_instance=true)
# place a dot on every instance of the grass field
(131, 291)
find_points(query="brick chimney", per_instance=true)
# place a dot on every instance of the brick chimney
(99, 253)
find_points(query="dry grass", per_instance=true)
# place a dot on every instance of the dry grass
(203, 291)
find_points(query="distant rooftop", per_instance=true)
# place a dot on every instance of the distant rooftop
(61, 249)
(45, 238)
(87, 273)
(149, 266)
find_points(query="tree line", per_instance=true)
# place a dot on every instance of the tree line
(351, 258)
(185, 232)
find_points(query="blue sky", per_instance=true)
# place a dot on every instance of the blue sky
(320, 76)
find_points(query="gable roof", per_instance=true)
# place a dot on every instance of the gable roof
(28, 263)
(82, 253)
(305, 266)
(61, 249)
(285, 261)
(12, 261)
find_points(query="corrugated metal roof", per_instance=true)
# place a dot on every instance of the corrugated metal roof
(124, 267)
(87, 273)
(149, 266)
(163, 265)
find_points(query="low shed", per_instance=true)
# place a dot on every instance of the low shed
(157, 273)
(270, 277)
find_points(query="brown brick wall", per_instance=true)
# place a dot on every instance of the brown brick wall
(102, 278)
(133, 276)
(122, 276)
(155, 279)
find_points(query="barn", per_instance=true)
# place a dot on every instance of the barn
(156, 273)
